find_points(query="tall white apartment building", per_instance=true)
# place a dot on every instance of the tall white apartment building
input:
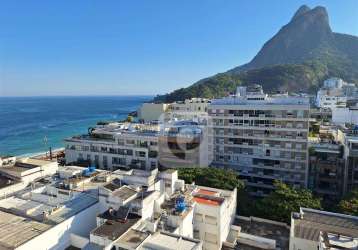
(262, 137)
(335, 93)
(116, 146)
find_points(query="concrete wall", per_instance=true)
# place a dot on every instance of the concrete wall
(12, 189)
(302, 244)
(79, 241)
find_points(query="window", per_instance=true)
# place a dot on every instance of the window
(212, 238)
(130, 142)
(198, 217)
(140, 154)
(210, 220)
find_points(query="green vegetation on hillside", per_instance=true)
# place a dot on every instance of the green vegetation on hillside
(293, 77)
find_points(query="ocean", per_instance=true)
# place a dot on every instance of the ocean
(26, 121)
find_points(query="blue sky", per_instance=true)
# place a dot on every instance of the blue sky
(137, 47)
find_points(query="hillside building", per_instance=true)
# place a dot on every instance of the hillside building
(335, 93)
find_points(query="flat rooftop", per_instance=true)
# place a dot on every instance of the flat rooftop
(16, 230)
(113, 229)
(314, 221)
(124, 192)
(72, 207)
(208, 197)
(24, 207)
(279, 232)
(276, 100)
(163, 240)
(132, 238)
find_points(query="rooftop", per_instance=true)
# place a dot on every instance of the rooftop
(277, 231)
(124, 192)
(208, 197)
(16, 230)
(161, 240)
(208, 200)
(312, 222)
(132, 238)
(113, 229)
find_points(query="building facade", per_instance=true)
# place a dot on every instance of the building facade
(115, 146)
(351, 159)
(262, 137)
(327, 170)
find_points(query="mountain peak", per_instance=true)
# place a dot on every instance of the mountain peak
(297, 58)
(302, 10)
(302, 38)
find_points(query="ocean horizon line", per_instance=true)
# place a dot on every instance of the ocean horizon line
(32, 96)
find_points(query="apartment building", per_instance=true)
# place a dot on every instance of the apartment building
(182, 144)
(114, 146)
(262, 137)
(327, 170)
(351, 158)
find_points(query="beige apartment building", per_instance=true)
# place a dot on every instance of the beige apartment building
(264, 138)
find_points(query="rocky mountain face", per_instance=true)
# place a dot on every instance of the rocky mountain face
(306, 45)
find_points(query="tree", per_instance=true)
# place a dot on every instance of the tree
(349, 204)
(129, 118)
(284, 200)
(211, 177)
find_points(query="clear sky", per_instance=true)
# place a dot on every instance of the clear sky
(137, 47)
